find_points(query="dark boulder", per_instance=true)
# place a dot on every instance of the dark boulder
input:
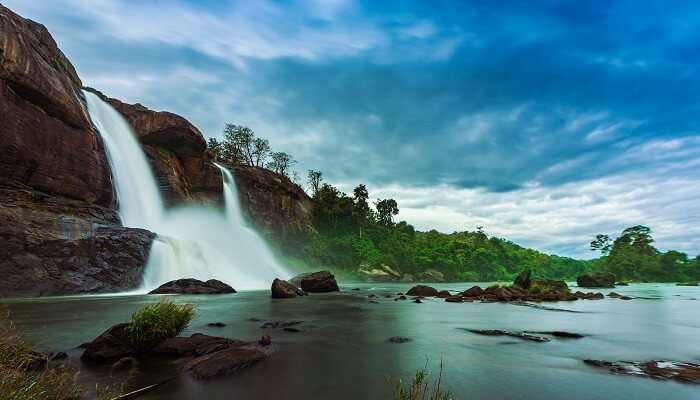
(399, 339)
(111, 345)
(522, 281)
(474, 291)
(443, 294)
(422, 290)
(125, 363)
(549, 285)
(596, 280)
(454, 299)
(284, 290)
(193, 286)
(265, 340)
(316, 282)
(224, 362)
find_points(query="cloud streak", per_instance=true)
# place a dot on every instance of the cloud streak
(547, 122)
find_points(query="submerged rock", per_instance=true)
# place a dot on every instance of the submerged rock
(596, 280)
(688, 284)
(195, 344)
(284, 290)
(316, 282)
(399, 339)
(454, 299)
(559, 334)
(193, 286)
(216, 324)
(224, 362)
(422, 290)
(663, 370)
(518, 335)
(279, 324)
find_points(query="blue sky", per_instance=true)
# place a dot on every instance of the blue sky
(546, 122)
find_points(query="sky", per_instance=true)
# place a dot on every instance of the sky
(546, 122)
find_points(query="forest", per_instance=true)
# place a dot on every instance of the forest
(354, 235)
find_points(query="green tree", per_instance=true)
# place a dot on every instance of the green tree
(386, 209)
(214, 148)
(314, 179)
(261, 151)
(601, 243)
(281, 162)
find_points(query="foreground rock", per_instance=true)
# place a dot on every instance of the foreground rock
(423, 290)
(596, 280)
(316, 282)
(113, 344)
(205, 356)
(663, 370)
(193, 286)
(284, 290)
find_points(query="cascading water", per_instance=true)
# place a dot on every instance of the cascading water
(193, 241)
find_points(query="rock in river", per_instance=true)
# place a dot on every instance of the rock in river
(316, 282)
(422, 290)
(193, 286)
(111, 345)
(663, 370)
(284, 290)
(596, 280)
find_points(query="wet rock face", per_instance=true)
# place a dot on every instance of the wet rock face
(316, 282)
(193, 286)
(596, 280)
(111, 259)
(47, 141)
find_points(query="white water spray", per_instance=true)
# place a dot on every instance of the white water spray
(193, 241)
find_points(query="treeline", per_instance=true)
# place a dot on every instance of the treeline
(632, 257)
(351, 235)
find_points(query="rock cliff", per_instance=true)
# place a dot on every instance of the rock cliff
(58, 229)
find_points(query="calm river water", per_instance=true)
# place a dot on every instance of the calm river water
(342, 352)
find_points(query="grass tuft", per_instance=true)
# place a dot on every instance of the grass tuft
(153, 323)
(20, 380)
(420, 388)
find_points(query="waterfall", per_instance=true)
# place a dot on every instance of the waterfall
(194, 241)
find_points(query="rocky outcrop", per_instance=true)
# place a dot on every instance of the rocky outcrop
(316, 282)
(193, 286)
(596, 280)
(59, 233)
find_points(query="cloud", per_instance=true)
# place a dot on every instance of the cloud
(511, 106)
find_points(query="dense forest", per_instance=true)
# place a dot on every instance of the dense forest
(360, 238)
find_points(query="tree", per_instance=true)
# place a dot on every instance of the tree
(261, 151)
(237, 145)
(214, 148)
(314, 179)
(386, 209)
(281, 162)
(361, 211)
(601, 243)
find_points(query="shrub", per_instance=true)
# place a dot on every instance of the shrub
(153, 323)
(421, 389)
(17, 379)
